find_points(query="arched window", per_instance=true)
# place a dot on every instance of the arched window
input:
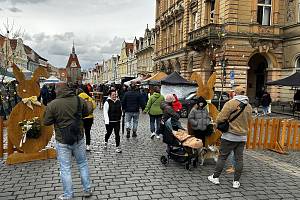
(297, 64)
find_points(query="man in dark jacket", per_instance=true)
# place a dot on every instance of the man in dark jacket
(62, 112)
(131, 104)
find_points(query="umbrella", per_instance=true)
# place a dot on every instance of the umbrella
(292, 80)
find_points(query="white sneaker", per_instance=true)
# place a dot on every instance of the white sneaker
(105, 146)
(118, 150)
(88, 148)
(152, 135)
(236, 184)
(213, 180)
(157, 136)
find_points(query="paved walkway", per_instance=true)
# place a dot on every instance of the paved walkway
(138, 174)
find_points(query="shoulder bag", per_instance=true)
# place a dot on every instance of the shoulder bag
(224, 126)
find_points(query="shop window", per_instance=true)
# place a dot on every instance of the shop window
(264, 9)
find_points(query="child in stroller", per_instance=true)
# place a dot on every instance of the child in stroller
(176, 150)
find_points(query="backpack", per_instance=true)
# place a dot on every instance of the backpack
(90, 106)
(72, 133)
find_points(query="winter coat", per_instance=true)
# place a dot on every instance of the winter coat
(266, 100)
(199, 119)
(61, 111)
(132, 101)
(153, 104)
(177, 106)
(168, 112)
(240, 125)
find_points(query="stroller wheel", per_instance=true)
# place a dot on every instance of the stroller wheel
(188, 166)
(164, 160)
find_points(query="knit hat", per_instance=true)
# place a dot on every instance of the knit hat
(201, 102)
(240, 90)
(169, 98)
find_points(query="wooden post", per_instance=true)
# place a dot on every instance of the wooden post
(261, 131)
(255, 134)
(1, 138)
(295, 136)
(249, 135)
(266, 137)
(288, 139)
(282, 139)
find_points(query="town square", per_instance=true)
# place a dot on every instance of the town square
(161, 99)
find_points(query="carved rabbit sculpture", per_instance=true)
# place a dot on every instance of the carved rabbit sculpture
(27, 109)
(207, 92)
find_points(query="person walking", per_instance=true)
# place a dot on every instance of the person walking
(235, 138)
(154, 111)
(66, 113)
(112, 111)
(87, 121)
(131, 103)
(265, 102)
(199, 119)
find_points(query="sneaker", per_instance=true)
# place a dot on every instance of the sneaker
(134, 134)
(87, 194)
(118, 150)
(88, 148)
(105, 146)
(213, 180)
(62, 197)
(236, 184)
(157, 136)
(152, 135)
(230, 170)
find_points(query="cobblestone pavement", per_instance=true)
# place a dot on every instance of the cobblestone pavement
(138, 174)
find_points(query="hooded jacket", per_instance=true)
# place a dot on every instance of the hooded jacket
(199, 118)
(168, 112)
(177, 106)
(153, 104)
(240, 125)
(61, 111)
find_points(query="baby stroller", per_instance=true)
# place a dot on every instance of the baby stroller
(176, 150)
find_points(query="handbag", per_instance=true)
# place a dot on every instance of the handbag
(72, 133)
(224, 126)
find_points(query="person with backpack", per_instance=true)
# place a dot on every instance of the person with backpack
(112, 111)
(154, 111)
(66, 113)
(236, 114)
(200, 120)
(87, 121)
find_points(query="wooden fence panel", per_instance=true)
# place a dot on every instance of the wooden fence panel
(255, 133)
(288, 139)
(261, 133)
(1, 138)
(266, 138)
(295, 135)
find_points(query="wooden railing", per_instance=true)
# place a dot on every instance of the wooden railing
(274, 134)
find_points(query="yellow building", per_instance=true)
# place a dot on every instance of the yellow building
(247, 42)
(123, 60)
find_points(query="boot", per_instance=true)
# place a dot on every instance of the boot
(128, 133)
(134, 134)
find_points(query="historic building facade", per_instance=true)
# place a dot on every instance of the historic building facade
(123, 68)
(171, 35)
(73, 68)
(145, 52)
(247, 42)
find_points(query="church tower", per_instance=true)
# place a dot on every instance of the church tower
(73, 68)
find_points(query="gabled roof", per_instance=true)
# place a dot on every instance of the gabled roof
(175, 79)
(73, 57)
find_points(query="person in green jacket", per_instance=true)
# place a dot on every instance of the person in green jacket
(154, 111)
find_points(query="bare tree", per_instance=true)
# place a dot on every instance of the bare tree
(9, 31)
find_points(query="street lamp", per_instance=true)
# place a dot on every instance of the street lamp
(223, 63)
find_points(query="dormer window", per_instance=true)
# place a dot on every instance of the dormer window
(264, 9)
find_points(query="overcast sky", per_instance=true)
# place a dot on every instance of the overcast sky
(98, 27)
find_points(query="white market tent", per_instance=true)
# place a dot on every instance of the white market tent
(52, 79)
(138, 79)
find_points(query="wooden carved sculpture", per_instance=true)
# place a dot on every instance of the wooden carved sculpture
(207, 92)
(29, 108)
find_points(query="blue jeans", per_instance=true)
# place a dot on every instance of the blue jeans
(132, 117)
(155, 120)
(64, 156)
(265, 110)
